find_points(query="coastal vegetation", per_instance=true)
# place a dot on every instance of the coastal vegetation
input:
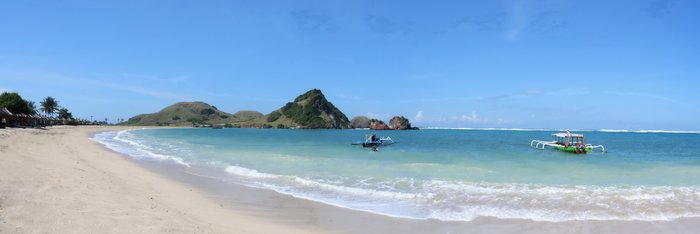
(19, 112)
(16, 104)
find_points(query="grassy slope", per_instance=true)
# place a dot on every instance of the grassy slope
(185, 113)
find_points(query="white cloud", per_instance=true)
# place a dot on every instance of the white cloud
(472, 118)
(419, 117)
(377, 116)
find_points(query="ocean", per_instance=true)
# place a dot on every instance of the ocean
(444, 174)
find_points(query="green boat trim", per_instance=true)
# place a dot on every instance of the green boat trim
(572, 149)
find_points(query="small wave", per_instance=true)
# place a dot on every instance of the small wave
(117, 141)
(613, 130)
(242, 171)
(464, 201)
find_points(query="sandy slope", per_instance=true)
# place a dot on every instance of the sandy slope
(59, 181)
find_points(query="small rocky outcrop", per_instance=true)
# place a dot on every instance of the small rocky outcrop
(400, 123)
(359, 122)
(375, 124)
(396, 123)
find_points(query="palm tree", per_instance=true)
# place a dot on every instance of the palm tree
(49, 105)
(32, 107)
(63, 113)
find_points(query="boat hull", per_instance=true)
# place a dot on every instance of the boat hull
(574, 150)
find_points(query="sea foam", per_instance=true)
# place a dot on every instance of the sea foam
(119, 142)
(465, 201)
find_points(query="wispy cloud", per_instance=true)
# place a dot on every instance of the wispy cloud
(485, 23)
(546, 22)
(383, 25)
(523, 15)
(310, 22)
(518, 19)
(658, 8)
(472, 118)
(377, 116)
(645, 96)
(530, 93)
(143, 91)
(57, 79)
(343, 96)
(179, 79)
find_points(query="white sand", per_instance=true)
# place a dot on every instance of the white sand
(59, 181)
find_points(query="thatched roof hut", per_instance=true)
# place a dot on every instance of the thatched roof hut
(5, 116)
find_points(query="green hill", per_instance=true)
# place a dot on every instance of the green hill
(309, 110)
(245, 115)
(187, 114)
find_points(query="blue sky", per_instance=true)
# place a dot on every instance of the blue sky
(514, 63)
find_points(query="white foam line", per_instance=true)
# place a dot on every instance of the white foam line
(135, 146)
(561, 130)
(482, 199)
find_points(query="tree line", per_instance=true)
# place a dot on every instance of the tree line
(18, 105)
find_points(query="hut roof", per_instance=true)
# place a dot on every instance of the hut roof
(5, 112)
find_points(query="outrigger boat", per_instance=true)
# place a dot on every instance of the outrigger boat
(567, 142)
(372, 140)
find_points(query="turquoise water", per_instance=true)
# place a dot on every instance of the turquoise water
(444, 174)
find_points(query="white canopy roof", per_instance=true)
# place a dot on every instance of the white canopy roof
(564, 135)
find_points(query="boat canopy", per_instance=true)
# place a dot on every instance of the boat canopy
(568, 139)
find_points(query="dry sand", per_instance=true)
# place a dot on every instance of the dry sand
(59, 181)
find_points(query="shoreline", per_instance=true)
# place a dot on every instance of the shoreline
(85, 187)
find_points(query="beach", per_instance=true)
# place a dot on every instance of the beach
(59, 180)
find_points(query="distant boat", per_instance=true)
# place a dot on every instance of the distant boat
(567, 142)
(372, 140)
(218, 126)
